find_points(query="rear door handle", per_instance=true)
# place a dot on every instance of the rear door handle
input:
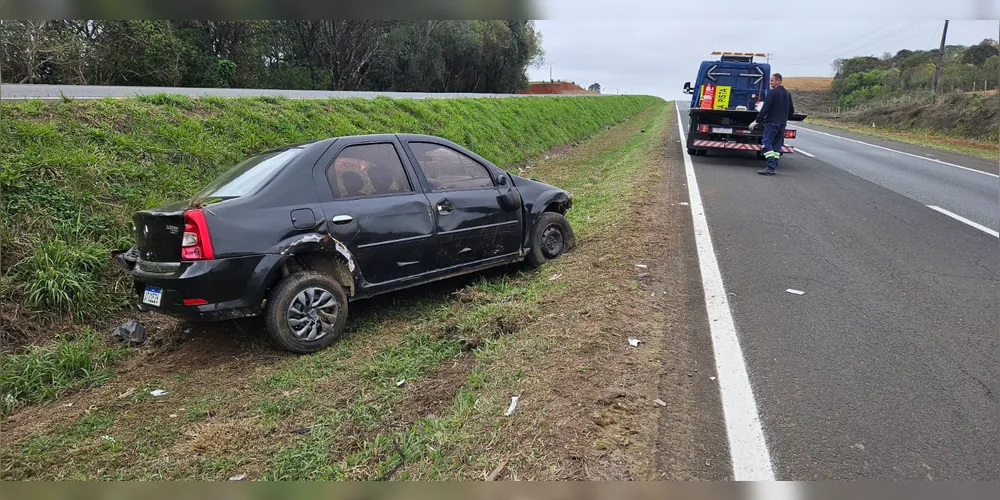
(343, 219)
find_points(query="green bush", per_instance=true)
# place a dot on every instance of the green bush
(60, 277)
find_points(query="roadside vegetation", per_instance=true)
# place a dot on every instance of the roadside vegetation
(919, 137)
(890, 97)
(72, 173)
(418, 386)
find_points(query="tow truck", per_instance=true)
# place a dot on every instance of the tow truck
(725, 100)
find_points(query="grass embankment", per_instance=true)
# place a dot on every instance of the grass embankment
(72, 173)
(963, 122)
(463, 348)
(981, 149)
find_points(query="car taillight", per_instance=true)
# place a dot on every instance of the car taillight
(703, 129)
(196, 244)
(789, 134)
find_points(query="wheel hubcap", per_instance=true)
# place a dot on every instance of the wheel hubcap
(312, 314)
(552, 241)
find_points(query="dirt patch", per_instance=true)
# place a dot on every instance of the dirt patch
(555, 88)
(219, 437)
(434, 393)
(808, 82)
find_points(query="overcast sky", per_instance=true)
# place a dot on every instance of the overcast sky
(651, 47)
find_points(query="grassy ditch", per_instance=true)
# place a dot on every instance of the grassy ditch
(72, 173)
(426, 372)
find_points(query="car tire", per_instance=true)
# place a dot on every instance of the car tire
(553, 236)
(306, 312)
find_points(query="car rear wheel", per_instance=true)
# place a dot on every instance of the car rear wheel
(553, 237)
(307, 312)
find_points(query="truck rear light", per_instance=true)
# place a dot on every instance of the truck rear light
(197, 243)
(704, 129)
(789, 134)
(195, 302)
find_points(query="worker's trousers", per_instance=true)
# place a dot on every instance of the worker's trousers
(774, 139)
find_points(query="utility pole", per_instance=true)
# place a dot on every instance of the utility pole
(940, 61)
(550, 74)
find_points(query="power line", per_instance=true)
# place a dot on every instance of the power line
(863, 40)
(871, 42)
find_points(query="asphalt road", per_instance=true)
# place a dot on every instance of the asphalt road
(886, 368)
(50, 92)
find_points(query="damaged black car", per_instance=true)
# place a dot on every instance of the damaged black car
(297, 233)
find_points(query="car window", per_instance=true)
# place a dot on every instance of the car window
(368, 170)
(248, 175)
(446, 168)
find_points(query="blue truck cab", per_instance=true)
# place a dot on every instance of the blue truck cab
(724, 102)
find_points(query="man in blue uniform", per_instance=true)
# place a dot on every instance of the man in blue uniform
(774, 115)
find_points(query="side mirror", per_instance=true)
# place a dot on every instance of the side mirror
(502, 180)
(687, 88)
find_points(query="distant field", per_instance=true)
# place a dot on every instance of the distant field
(808, 82)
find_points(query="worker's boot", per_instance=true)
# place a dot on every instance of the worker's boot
(767, 171)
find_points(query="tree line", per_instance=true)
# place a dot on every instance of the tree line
(428, 56)
(861, 79)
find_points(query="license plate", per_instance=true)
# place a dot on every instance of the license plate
(152, 296)
(722, 130)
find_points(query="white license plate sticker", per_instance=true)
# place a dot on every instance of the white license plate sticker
(152, 296)
(722, 130)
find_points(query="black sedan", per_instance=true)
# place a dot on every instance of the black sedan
(298, 232)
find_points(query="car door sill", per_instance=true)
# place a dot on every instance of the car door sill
(372, 289)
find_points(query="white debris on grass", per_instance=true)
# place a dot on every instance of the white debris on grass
(512, 407)
(158, 392)
(634, 342)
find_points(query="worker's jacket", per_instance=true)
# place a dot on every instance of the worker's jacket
(778, 107)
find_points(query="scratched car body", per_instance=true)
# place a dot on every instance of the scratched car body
(296, 233)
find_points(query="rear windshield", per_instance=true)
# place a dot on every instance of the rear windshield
(248, 175)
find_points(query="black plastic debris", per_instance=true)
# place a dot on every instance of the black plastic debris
(132, 332)
(643, 276)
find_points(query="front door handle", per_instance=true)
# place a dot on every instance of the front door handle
(445, 207)
(343, 219)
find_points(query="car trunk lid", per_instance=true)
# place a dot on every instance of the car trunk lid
(159, 232)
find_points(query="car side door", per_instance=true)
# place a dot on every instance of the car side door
(376, 207)
(477, 211)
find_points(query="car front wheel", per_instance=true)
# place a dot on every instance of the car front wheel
(553, 236)
(306, 312)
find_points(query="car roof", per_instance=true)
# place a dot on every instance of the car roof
(386, 137)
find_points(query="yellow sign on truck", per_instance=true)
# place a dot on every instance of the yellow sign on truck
(722, 97)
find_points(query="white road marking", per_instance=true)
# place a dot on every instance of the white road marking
(747, 448)
(966, 221)
(799, 150)
(796, 292)
(935, 160)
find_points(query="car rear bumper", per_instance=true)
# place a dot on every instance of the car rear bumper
(215, 289)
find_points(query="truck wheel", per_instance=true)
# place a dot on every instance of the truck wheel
(760, 155)
(692, 151)
(306, 312)
(553, 236)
